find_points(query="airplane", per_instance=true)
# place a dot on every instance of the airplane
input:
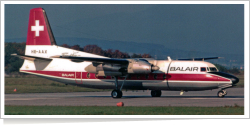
(44, 58)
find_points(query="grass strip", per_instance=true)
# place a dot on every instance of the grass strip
(41, 85)
(126, 110)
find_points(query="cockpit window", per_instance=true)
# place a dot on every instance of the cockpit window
(203, 69)
(213, 69)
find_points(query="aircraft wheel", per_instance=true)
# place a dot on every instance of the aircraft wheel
(221, 94)
(156, 93)
(116, 93)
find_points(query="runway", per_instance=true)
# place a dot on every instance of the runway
(208, 98)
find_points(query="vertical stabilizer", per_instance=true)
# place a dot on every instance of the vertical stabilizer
(39, 31)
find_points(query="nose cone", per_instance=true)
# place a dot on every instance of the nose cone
(234, 79)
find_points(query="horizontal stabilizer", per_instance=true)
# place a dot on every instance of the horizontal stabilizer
(95, 60)
(31, 58)
(201, 59)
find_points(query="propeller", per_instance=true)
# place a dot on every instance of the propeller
(154, 67)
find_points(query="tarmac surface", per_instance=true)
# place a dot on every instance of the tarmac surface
(208, 98)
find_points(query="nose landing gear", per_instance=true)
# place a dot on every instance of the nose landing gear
(222, 93)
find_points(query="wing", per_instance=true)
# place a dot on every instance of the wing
(208, 58)
(95, 60)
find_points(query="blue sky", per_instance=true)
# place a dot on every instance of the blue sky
(200, 27)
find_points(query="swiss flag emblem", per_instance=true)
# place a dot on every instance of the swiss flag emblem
(37, 28)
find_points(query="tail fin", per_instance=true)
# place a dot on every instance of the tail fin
(39, 31)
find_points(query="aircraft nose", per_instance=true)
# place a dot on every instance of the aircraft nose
(234, 79)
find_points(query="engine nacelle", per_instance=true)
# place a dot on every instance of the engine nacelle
(137, 66)
(104, 69)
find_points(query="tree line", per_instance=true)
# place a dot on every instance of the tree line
(11, 63)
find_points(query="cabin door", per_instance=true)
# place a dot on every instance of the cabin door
(78, 77)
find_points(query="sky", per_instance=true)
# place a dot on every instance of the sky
(191, 27)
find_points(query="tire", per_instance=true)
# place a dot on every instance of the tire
(153, 93)
(116, 93)
(156, 93)
(120, 94)
(220, 94)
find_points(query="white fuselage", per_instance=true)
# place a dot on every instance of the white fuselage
(172, 75)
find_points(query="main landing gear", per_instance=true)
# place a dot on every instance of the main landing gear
(222, 93)
(117, 93)
(156, 93)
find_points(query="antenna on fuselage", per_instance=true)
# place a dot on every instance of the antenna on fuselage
(169, 58)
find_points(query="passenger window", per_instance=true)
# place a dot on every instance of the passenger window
(203, 69)
(155, 76)
(138, 76)
(96, 75)
(88, 75)
(164, 76)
